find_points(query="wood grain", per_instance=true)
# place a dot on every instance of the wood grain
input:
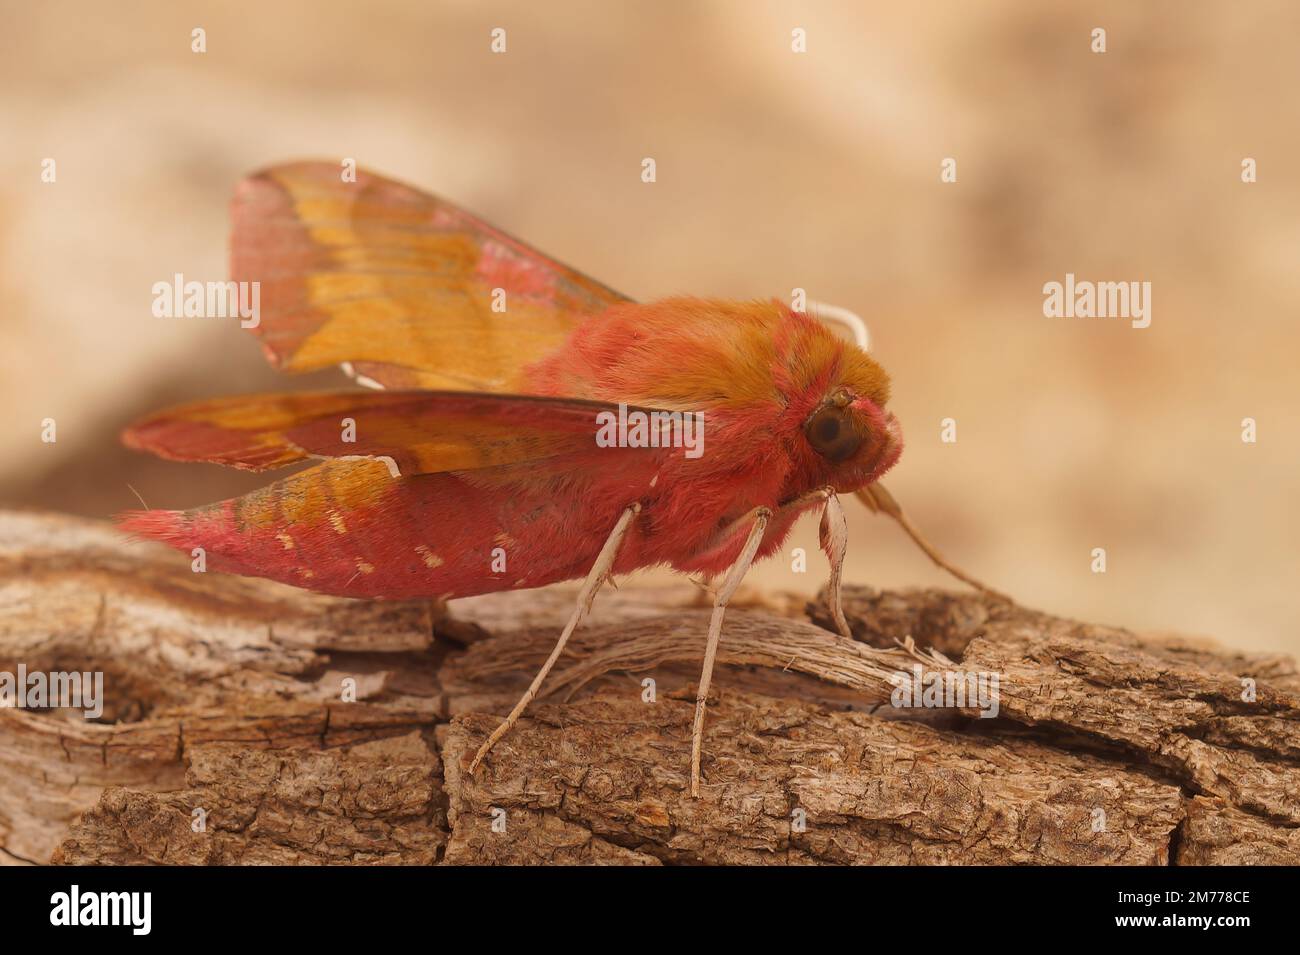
(227, 695)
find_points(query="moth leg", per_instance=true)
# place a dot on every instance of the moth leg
(599, 573)
(880, 501)
(834, 536)
(729, 586)
(795, 504)
(834, 541)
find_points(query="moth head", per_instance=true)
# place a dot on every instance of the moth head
(856, 438)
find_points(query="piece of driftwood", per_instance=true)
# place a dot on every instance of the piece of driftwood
(246, 722)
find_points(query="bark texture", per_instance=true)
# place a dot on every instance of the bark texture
(245, 722)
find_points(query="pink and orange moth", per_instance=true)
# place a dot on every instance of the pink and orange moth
(493, 372)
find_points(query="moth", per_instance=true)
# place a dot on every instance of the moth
(480, 456)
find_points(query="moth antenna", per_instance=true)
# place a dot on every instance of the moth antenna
(880, 501)
(138, 497)
(825, 312)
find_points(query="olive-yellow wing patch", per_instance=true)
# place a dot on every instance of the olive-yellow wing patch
(404, 289)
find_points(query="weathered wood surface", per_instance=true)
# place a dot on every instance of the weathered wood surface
(225, 701)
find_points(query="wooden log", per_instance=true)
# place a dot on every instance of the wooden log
(246, 722)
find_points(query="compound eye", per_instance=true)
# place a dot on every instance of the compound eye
(832, 434)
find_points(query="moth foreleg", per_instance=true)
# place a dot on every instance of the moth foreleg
(725, 536)
(834, 535)
(880, 501)
(761, 517)
(599, 573)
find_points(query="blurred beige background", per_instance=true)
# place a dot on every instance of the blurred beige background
(775, 170)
